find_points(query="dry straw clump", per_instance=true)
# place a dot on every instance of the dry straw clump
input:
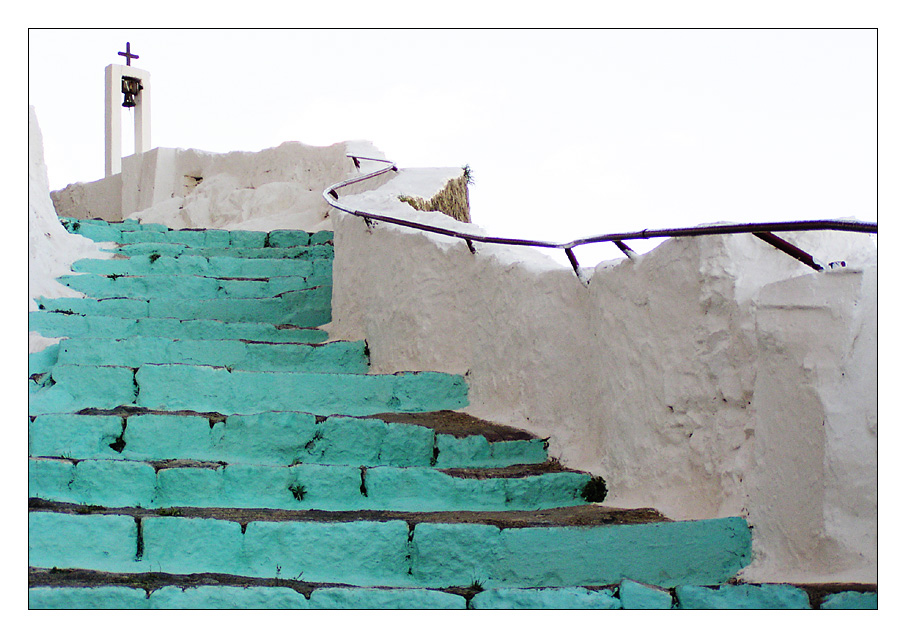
(452, 200)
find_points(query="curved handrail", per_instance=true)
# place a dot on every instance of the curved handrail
(763, 230)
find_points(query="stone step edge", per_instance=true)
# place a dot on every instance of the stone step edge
(817, 593)
(594, 494)
(491, 431)
(181, 321)
(151, 581)
(40, 300)
(514, 471)
(568, 516)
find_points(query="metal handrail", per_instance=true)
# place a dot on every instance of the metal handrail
(763, 230)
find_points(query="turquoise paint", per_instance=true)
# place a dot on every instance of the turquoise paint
(245, 486)
(544, 598)
(95, 598)
(142, 236)
(322, 237)
(86, 306)
(200, 487)
(325, 487)
(637, 596)
(311, 307)
(115, 484)
(427, 489)
(167, 287)
(248, 239)
(319, 270)
(96, 542)
(384, 599)
(288, 438)
(324, 251)
(98, 233)
(168, 437)
(61, 325)
(228, 598)
(50, 479)
(77, 387)
(664, 554)
(288, 238)
(359, 553)
(43, 361)
(851, 600)
(477, 452)
(332, 357)
(184, 545)
(214, 389)
(74, 436)
(211, 238)
(742, 597)
(119, 483)
(507, 453)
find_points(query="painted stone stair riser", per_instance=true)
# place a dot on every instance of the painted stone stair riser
(267, 594)
(247, 598)
(187, 286)
(388, 553)
(209, 389)
(330, 357)
(53, 324)
(320, 268)
(220, 238)
(123, 484)
(270, 438)
(152, 252)
(311, 307)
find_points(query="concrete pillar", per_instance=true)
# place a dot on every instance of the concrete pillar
(113, 119)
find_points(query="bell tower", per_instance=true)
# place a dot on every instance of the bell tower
(133, 85)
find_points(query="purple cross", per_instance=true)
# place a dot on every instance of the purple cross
(129, 56)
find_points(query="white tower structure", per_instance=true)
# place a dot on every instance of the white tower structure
(134, 86)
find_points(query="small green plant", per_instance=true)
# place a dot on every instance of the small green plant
(468, 174)
(154, 257)
(170, 512)
(298, 491)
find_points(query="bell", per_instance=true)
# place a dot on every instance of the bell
(131, 88)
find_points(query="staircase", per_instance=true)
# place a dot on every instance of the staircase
(196, 442)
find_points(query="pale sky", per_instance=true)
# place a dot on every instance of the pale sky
(568, 132)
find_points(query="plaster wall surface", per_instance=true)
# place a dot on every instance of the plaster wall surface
(278, 187)
(51, 249)
(656, 375)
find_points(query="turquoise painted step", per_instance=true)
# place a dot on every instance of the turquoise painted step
(185, 286)
(118, 484)
(217, 389)
(155, 251)
(743, 597)
(388, 553)
(545, 598)
(127, 233)
(330, 357)
(241, 597)
(311, 307)
(207, 266)
(269, 438)
(209, 389)
(57, 324)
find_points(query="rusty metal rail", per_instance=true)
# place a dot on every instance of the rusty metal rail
(765, 231)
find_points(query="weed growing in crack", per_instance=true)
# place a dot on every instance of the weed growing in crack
(298, 491)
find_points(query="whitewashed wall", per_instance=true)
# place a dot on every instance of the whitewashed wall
(687, 379)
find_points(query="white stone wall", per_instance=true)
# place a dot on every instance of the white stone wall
(186, 188)
(659, 375)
